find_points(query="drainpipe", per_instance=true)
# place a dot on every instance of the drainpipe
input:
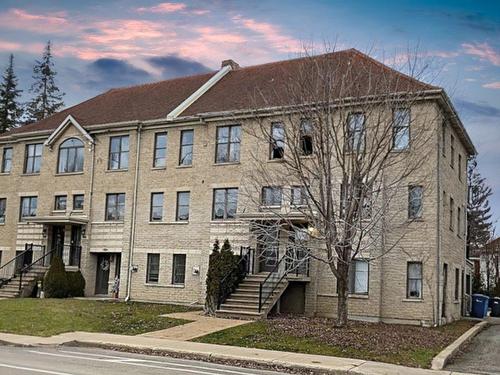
(134, 213)
(438, 232)
(91, 195)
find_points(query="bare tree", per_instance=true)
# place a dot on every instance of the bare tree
(344, 156)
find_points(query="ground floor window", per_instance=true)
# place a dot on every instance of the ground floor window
(414, 280)
(153, 270)
(358, 277)
(179, 269)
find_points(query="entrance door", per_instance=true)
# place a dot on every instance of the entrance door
(75, 249)
(58, 240)
(102, 275)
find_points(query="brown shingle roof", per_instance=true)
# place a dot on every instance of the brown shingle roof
(246, 88)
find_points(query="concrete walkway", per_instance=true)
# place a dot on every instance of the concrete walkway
(318, 363)
(202, 325)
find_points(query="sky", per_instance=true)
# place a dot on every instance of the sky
(99, 45)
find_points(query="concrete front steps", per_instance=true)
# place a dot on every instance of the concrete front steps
(243, 303)
(11, 289)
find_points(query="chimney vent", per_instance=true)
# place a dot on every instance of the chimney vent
(233, 64)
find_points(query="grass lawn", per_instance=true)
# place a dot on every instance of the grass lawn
(399, 344)
(47, 317)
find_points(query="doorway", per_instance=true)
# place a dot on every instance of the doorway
(58, 240)
(75, 245)
(102, 275)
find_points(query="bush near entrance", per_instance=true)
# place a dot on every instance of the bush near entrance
(55, 283)
(76, 284)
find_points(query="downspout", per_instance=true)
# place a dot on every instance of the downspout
(438, 232)
(88, 231)
(134, 213)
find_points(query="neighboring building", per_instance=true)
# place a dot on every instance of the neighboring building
(138, 182)
(487, 264)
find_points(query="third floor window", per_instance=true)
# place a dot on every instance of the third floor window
(401, 129)
(33, 158)
(6, 160)
(160, 156)
(277, 150)
(186, 151)
(70, 156)
(228, 144)
(118, 152)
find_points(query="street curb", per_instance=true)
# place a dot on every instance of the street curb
(442, 359)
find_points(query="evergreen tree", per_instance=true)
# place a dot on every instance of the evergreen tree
(47, 98)
(478, 210)
(10, 110)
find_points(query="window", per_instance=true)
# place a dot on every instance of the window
(160, 156)
(70, 156)
(186, 152)
(118, 152)
(460, 167)
(298, 195)
(271, 196)
(358, 277)
(459, 221)
(356, 131)
(225, 203)
(401, 129)
(78, 200)
(179, 269)
(457, 284)
(60, 203)
(156, 207)
(415, 195)
(33, 158)
(277, 141)
(452, 208)
(414, 280)
(306, 137)
(443, 139)
(228, 144)
(153, 270)
(3, 206)
(28, 207)
(7, 160)
(452, 151)
(115, 207)
(182, 211)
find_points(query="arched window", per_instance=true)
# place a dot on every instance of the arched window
(70, 156)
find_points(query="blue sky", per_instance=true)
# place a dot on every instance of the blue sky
(104, 44)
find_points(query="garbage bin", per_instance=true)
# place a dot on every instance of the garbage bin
(479, 306)
(495, 308)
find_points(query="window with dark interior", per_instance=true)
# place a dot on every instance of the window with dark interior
(118, 152)
(28, 207)
(358, 276)
(452, 210)
(186, 151)
(60, 203)
(271, 196)
(3, 207)
(277, 141)
(153, 270)
(306, 137)
(228, 144)
(160, 155)
(179, 269)
(414, 280)
(401, 129)
(78, 200)
(156, 207)
(460, 167)
(182, 211)
(457, 284)
(7, 160)
(225, 203)
(415, 196)
(115, 207)
(356, 131)
(452, 151)
(33, 159)
(70, 156)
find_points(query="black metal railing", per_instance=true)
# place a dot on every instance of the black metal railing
(244, 267)
(75, 255)
(13, 267)
(41, 261)
(297, 262)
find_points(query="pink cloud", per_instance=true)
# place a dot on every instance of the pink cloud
(271, 34)
(216, 35)
(20, 19)
(126, 30)
(483, 51)
(492, 85)
(163, 8)
(9, 46)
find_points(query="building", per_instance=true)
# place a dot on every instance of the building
(138, 182)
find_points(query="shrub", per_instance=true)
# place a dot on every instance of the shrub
(56, 281)
(221, 263)
(76, 284)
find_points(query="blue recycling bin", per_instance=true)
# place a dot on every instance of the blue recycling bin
(479, 306)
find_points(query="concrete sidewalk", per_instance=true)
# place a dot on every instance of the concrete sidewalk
(316, 363)
(201, 325)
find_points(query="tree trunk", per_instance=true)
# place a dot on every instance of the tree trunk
(342, 281)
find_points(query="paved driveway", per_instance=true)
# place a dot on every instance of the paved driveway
(482, 355)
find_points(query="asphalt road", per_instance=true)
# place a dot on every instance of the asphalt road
(482, 355)
(86, 361)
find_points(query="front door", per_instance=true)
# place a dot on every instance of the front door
(268, 247)
(102, 276)
(75, 249)
(58, 240)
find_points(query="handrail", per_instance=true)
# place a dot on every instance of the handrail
(241, 269)
(18, 256)
(25, 269)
